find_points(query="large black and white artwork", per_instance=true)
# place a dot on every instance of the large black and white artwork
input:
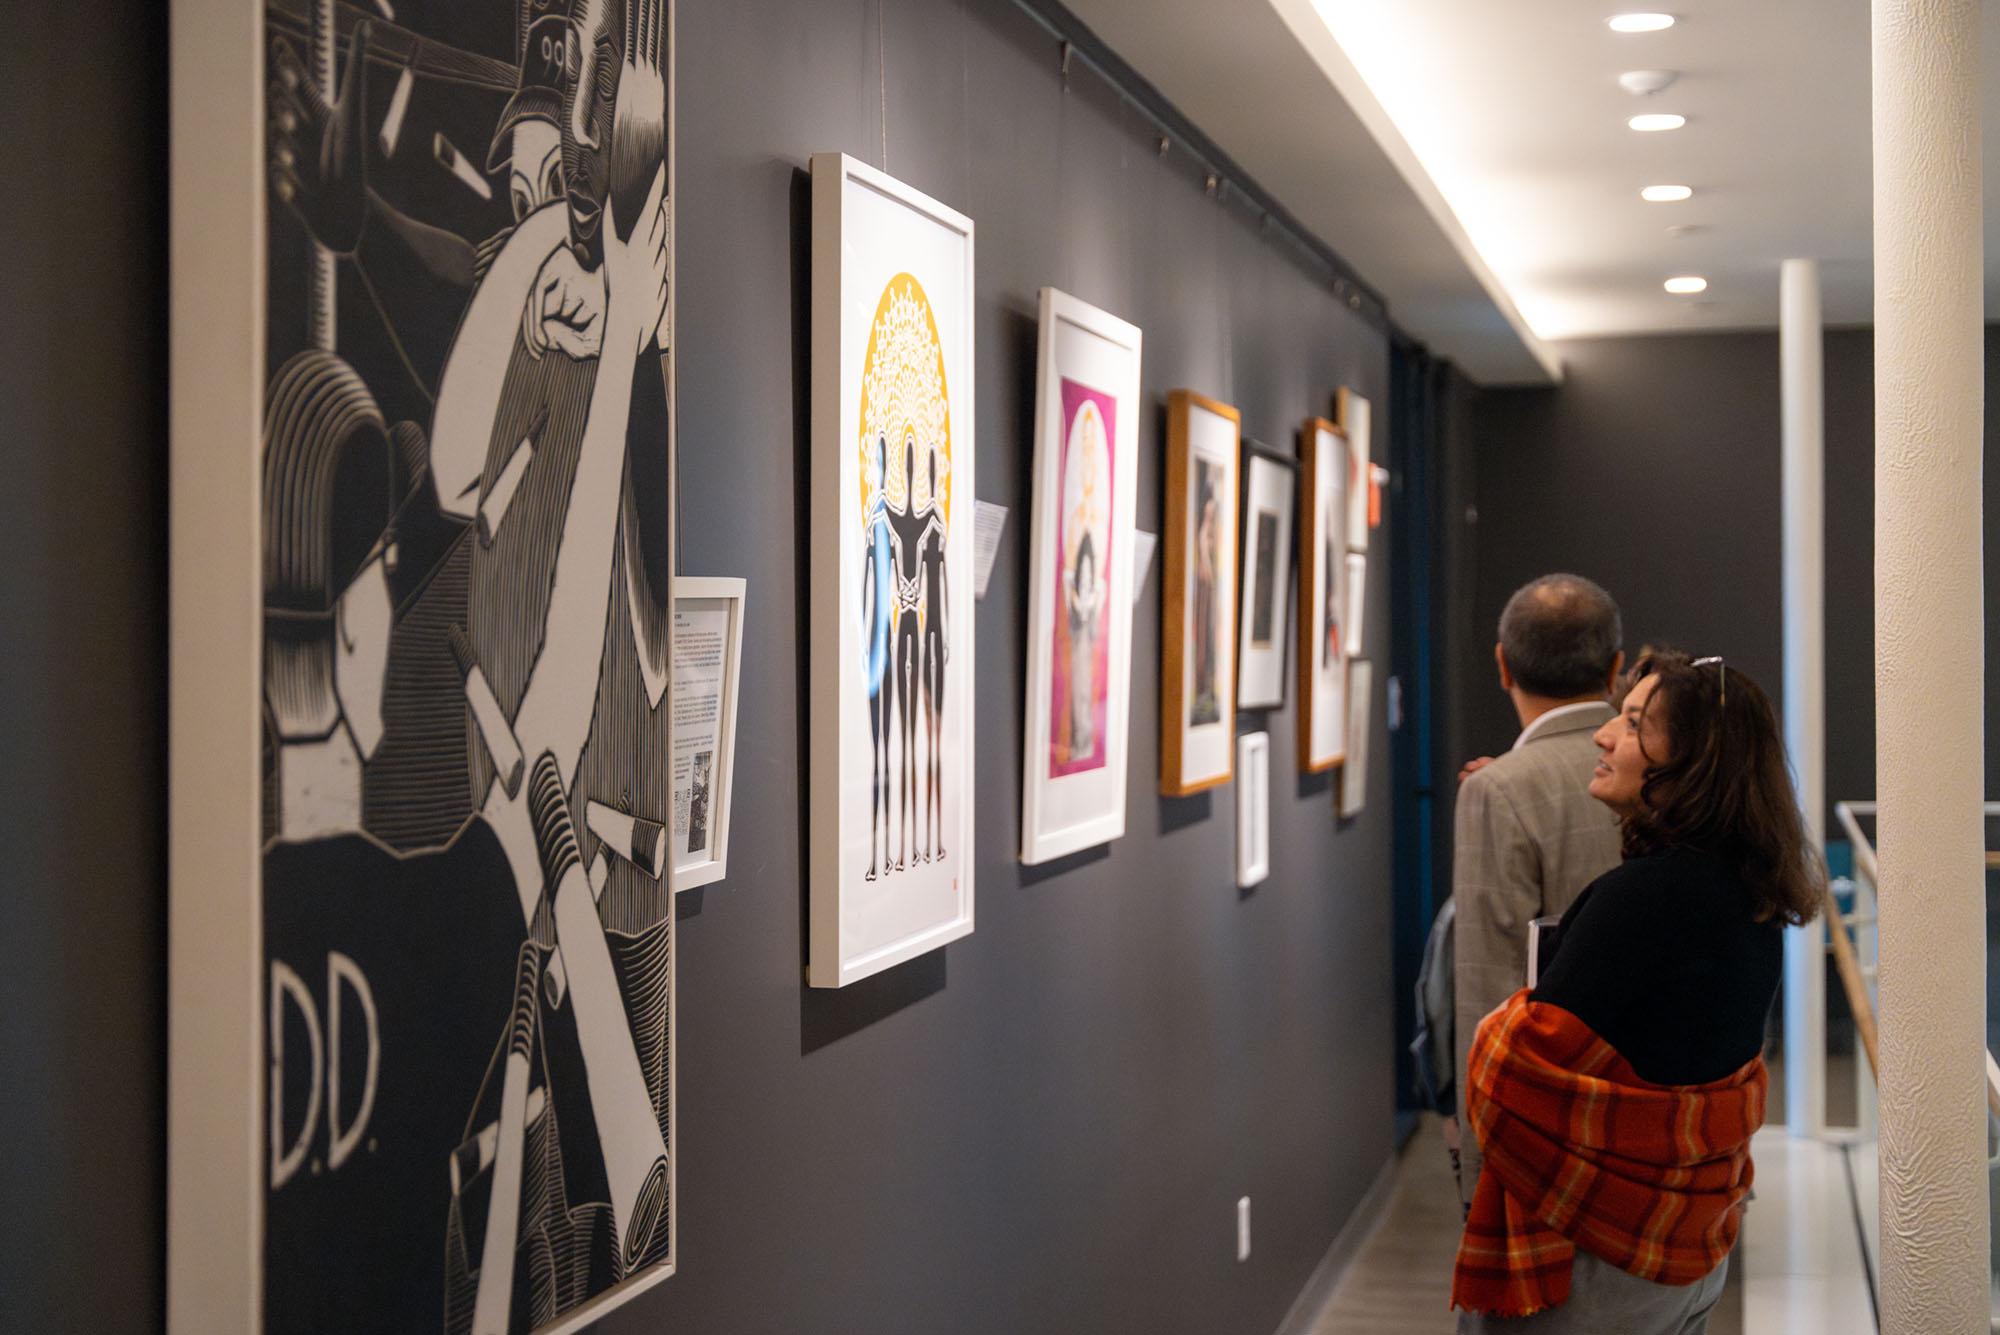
(467, 472)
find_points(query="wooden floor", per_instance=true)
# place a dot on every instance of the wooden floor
(1400, 1283)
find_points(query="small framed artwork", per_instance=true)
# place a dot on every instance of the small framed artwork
(1323, 649)
(1197, 695)
(1253, 808)
(1357, 602)
(890, 807)
(1080, 572)
(1270, 498)
(708, 659)
(1354, 415)
(1354, 770)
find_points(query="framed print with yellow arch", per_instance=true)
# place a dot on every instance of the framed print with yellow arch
(891, 764)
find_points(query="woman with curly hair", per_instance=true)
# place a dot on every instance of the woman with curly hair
(1617, 1097)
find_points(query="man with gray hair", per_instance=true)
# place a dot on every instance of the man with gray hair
(1529, 837)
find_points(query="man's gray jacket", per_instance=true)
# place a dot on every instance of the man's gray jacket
(1529, 837)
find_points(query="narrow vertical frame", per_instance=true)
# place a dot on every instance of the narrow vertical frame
(1355, 416)
(1198, 753)
(1360, 717)
(1323, 645)
(1270, 490)
(1253, 809)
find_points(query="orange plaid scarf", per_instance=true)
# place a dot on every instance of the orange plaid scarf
(1580, 1152)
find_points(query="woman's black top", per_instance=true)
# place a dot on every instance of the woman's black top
(1661, 957)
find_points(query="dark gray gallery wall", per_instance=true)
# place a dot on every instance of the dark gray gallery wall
(1654, 468)
(82, 668)
(1044, 1126)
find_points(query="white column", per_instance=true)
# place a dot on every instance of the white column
(1930, 665)
(1799, 357)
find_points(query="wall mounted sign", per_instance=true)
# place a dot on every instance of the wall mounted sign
(708, 663)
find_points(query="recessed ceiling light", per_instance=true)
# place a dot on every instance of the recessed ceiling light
(1644, 83)
(1665, 194)
(1654, 121)
(1640, 22)
(1682, 286)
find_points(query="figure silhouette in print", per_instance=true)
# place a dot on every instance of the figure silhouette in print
(878, 614)
(908, 525)
(465, 661)
(937, 608)
(1330, 651)
(1205, 708)
(1086, 597)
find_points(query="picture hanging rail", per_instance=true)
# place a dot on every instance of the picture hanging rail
(891, 816)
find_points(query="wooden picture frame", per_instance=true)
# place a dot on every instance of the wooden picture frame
(1198, 630)
(708, 668)
(1323, 620)
(890, 805)
(1269, 516)
(399, 675)
(1077, 719)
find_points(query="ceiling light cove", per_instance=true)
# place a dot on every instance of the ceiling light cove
(1665, 194)
(1640, 22)
(1655, 121)
(1686, 286)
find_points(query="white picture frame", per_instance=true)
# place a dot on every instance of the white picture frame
(1360, 714)
(1197, 678)
(1355, 576)
(1087, 411)
(272, 404)
(892, 361)
(1253, 808)
(1270, 509)
(1322, 582)
(1355, 422)
(708, 667)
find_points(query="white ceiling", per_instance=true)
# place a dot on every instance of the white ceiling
(1470, 157)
